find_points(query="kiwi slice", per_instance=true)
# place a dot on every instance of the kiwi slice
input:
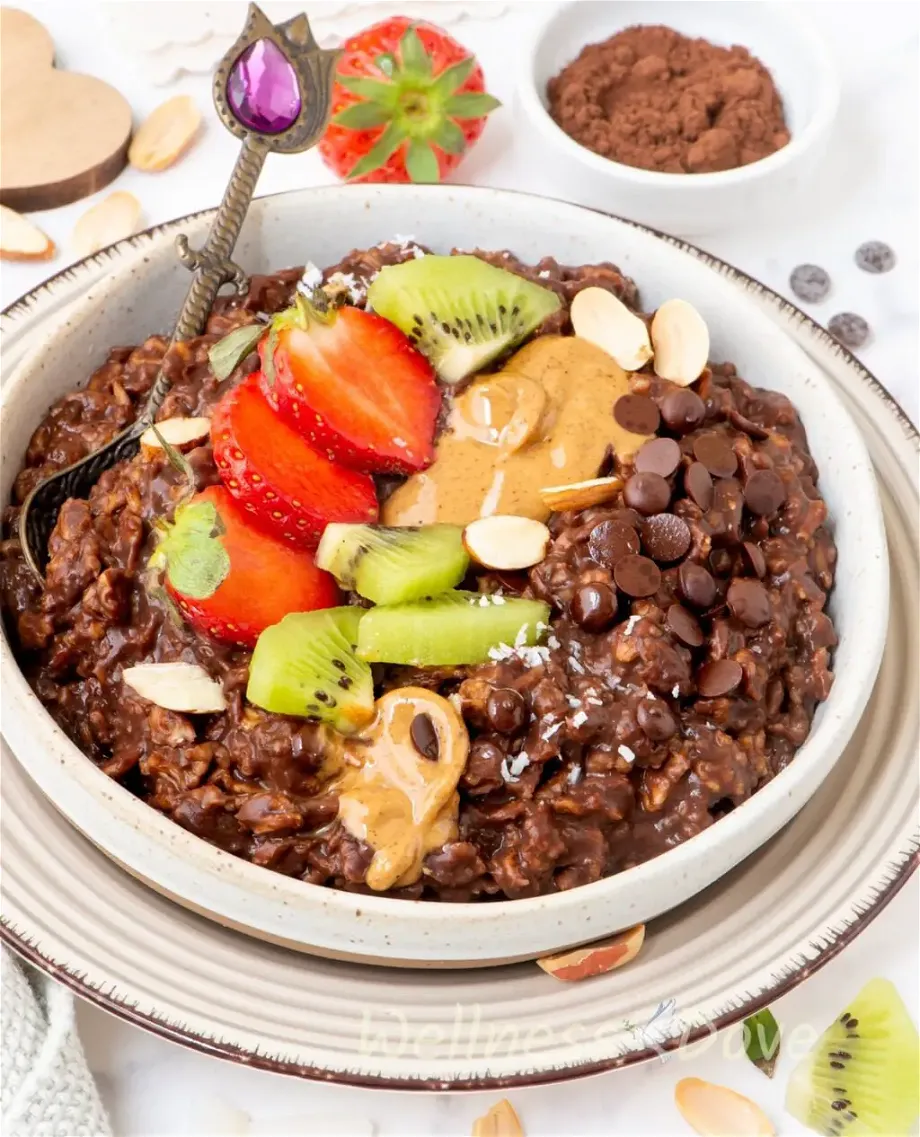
(449, 630)
(862, 1076)
(460, 311)
(391, 565)
(306, 666)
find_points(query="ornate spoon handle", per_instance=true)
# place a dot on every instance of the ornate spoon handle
(272, 91)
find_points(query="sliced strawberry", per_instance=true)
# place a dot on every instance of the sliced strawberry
(230, 579)
(290, 489)
(354, 386)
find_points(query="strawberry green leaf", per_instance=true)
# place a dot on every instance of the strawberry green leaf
(422, 163)
(196, 561)
(449, 137)
(387, 63)
(762, 1041)
(368, 88)
(178, 461)
(228, 353)
(268, 358)
(386, 145)
(415, 60)
(471, 105)
(451, 78)
(362, 116)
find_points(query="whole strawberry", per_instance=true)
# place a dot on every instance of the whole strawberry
(408, 103)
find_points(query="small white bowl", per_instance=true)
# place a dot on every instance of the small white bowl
(688, 204)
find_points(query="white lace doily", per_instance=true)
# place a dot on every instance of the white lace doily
(166, 40)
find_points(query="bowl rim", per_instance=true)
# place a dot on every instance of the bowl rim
(23, 706)
(828, 86)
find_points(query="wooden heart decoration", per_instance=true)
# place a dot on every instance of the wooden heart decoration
(63, 135)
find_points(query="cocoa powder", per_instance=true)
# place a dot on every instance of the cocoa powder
(652, 98)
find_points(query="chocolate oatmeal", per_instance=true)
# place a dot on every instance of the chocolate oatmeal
(687, 649)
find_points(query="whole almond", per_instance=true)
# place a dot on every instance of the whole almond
(599, 316)
(581, 495)
(20, 240)
(165, 135)
(595, 959)
(681, 342)
(500, 1121)
(112, 219)
(714, 1110)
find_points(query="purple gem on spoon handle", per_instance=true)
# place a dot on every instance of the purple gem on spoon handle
(262, 89)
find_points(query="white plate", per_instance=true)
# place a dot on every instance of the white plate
(143, 292)
(737, 946)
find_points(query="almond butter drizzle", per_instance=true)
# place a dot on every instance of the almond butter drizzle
(545, 419)
(401, 804)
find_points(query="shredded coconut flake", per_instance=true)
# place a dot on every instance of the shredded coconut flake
(544, 274)
(574, 776)
(625, 753)
(550, 731)
(511, 771)
(579, 718)
(630, 624)
(675, 690)
(497, 598)
(592, 702)
(311, 280)
(576, 666)
(552, 642)
(573, 700)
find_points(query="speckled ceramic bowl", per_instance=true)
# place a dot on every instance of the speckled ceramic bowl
(140, 293)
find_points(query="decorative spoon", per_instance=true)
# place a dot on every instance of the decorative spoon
(273, 91)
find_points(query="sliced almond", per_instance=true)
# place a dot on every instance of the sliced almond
(581, 495)
(500, 1121)
(716, 1110)
(681, 341)
(112, 219)
(599, 316)
(165, 135)
(20, 240)
(506, 542)
(595, 959)
(176, 687)
(183, 433)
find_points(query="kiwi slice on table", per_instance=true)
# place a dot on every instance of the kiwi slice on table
(461, 312)
(450, 630)
(306, 665)
(391, 565)
(862, 1076)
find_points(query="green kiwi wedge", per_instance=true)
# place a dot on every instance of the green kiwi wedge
(863, 1076)
(306, 665)
(460, 311)
(450, 630)
(392, 565)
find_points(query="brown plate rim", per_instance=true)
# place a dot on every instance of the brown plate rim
(862, 916)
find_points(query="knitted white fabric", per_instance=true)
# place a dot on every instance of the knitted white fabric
(46, 1089)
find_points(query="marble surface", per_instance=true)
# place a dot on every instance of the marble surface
(868, 190)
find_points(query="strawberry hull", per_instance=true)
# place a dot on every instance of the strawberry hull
(287, 487)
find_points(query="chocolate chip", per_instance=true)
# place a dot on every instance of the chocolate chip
(738, 420)
(627, 516)
(764, 492)
(753, 559)
(610, 541)
(655, 720)
(719, 677)
(851, 330)
(749, 602)
(698, 485)
(682, 410)
(594, 607)
(506, 710)
(666, 537)
(658, 456)
(810, 283)
(684, 625)
(716, 454)
(647, 493)
(637, 576)
(720, 562)
(875, 256)
(425, 737)
(696, 585)
(637, 414)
